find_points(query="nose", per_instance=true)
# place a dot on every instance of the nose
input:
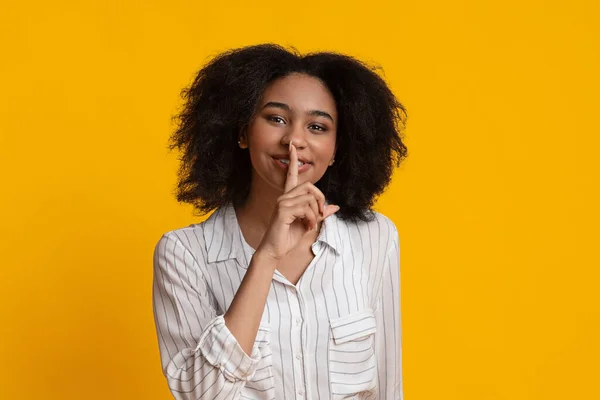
(296, 134)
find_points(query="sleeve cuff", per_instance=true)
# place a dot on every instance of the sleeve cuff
(221, 349)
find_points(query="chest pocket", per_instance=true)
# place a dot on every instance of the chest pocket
(262, 382)
(352, 356)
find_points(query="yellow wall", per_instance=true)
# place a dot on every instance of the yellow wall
(497, 204)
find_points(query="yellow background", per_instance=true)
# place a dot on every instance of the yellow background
(497, 203)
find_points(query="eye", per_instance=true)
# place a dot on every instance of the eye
(318, 127)
(275, 118)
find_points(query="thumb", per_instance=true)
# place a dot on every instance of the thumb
(330, 209)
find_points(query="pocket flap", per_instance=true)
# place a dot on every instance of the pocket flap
(353, 326)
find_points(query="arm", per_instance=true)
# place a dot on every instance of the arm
(388, 336)
(245, 312)
(201, 358)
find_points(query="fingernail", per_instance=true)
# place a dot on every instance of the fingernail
(290, 145)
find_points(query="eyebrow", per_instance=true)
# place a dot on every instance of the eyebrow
(283, 106)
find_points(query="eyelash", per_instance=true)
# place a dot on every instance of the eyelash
(273, 118)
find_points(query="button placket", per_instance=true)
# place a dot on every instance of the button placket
(302, 328)
(297, 347)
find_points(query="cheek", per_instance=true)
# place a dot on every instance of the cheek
(263, 136)
(325, 150)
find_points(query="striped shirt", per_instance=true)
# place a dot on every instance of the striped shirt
(335, 334)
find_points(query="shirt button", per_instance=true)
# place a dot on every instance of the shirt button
(301, 392)
(298, 356)
(298, 321)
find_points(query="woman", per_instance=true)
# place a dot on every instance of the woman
(291, 288)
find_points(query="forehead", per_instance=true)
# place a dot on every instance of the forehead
(301, 92)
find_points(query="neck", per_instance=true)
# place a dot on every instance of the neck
(255, 214)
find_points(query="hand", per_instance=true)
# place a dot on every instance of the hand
(298, 211)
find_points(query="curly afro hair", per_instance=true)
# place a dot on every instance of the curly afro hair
(223, 99)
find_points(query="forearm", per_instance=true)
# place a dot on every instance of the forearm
(245, 312)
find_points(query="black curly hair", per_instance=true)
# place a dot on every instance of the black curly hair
(224, 97)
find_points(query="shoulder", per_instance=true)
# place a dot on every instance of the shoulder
(379, 232)
(387, 232)
(379, 225)
(385, 222)
(189, 238)
(203, 240)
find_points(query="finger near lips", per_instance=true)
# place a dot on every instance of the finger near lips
(306, 196)
(292, 171)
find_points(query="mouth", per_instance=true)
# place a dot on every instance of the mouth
(284, 163)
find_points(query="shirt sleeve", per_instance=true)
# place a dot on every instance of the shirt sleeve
(388, 336)
(200, 357)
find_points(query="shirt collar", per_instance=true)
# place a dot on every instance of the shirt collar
(224, 240)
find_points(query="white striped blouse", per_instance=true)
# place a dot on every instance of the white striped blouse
(336, 334)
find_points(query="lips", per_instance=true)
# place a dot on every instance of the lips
(287, 162)
(286, 157)
(284, 162)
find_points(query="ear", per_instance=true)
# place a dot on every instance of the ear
(332, 159)
(243, 141)
(334, 153)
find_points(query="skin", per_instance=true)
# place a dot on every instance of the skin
(283, 214)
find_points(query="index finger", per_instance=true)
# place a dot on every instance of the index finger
(291, 180)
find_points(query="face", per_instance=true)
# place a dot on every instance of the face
(297, 108)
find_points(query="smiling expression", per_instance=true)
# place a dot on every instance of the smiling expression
(296, 108)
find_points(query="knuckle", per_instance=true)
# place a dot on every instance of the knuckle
(284, 203)
(316, 190)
